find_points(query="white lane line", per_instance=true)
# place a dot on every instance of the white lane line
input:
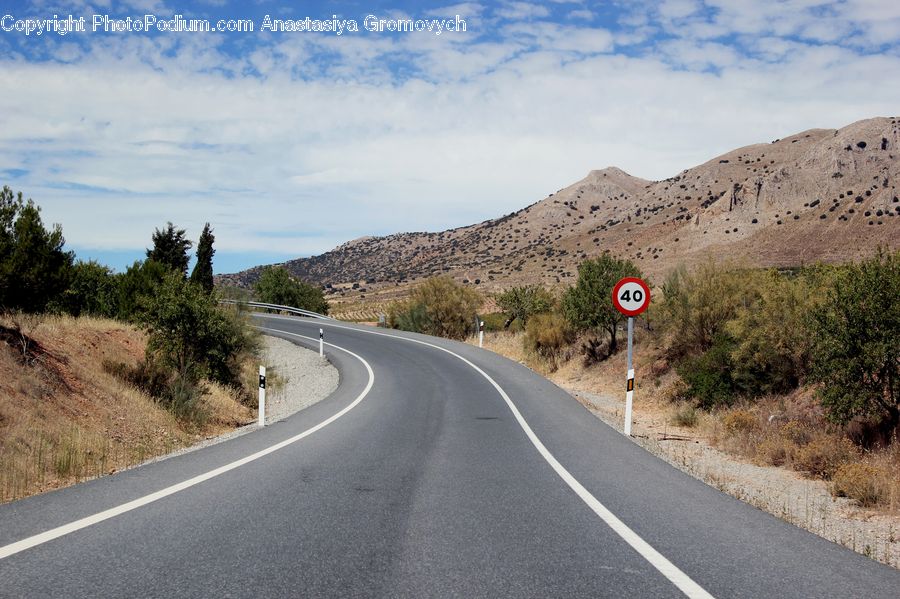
(677, 577)
(65, 529)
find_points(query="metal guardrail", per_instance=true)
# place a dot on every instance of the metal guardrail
(280, 308)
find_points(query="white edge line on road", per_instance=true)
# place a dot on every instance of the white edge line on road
(65, 529)
(681, 580)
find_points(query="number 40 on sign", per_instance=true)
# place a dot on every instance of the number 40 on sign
(630, 296)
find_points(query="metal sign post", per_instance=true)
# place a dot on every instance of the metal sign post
(630, 296)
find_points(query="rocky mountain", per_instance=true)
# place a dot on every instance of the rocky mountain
(822, 194)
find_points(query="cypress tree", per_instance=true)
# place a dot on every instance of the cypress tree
(203, 270)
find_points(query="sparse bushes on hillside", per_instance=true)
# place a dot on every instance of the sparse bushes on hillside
(440, 306)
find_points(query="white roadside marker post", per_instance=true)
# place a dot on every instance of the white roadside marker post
(630, 296)
(262, 396)
(321, 343)
(481, 333)
(629, 383)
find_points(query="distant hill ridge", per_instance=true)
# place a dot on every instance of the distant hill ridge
(822, 194)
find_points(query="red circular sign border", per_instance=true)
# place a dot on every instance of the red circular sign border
(615, 296)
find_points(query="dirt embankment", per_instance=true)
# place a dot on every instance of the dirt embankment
(64, 418)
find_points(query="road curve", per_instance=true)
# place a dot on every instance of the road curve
(435, 470)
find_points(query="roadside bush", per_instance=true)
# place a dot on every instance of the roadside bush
(521, 303)
(823, 455)
(440, 306)
(772, 343)
(857, 342)
(137, 286)
(408, 316)
(861, 482)
(93, 291)
(697, 306)
(708, 377)
(685, 415)
(740, 421)
(546, 335)
(277, 286)
(190, 334)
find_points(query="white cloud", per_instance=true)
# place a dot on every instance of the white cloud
(307, 141)
(519, 11)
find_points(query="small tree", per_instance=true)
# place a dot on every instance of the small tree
(170, 248)
(203, 270)
(277, 286)
(34, 268)
(137, 285)
(93, 290)
(857, 342)
(190, 334)
(588, 305)
(524, 302)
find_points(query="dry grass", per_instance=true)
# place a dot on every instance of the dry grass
(63, 418)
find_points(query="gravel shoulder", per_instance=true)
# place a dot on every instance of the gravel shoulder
(783, 493)
(299, 378)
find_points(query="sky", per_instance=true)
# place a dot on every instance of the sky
(304, 133)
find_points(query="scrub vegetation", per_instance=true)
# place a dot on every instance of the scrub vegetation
(798, 368)
(103, 369)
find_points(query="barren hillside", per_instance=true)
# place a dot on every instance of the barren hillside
(822, 194)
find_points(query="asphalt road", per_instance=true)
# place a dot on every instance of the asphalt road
(443, 471)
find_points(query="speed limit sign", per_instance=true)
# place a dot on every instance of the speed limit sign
(631, 296)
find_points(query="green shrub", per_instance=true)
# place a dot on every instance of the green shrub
(440, 306)
(136, 288)
(191, 334)
(94, 291)
(698, 305)
(708, 377)
(772, 342)
(277, 286)
(857, 342)
(521, 303)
